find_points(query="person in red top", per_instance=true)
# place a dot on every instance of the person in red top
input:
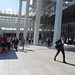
(4, 43)
(0, 44)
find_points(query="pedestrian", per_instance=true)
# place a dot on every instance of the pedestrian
(29, 39)
(16, 41)
(67, 41)
(8, 41)
(60, 48)
(74, 41)
(11, 42)
(0, 44)
(70, 40)
(4, 43)
(49, 42)
(22, 42)
(32, 39)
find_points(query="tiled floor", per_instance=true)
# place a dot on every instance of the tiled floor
(36, 60)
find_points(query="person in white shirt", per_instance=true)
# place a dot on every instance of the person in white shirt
(29, 39)
(70, 40)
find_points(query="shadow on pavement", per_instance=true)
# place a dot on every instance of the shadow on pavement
(30, 50)
(66, 63)
(70, 48)
(9, 55)
(26, 50)
(22, 51)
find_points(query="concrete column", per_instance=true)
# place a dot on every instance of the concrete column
(37, 22)
(19, 19)
(33, 24)
(30, 25)
(43, 26)
(26, 19)
(50, 28)
(58, 21)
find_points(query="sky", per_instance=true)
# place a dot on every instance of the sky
(11, 5)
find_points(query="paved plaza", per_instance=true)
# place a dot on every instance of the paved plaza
(36, 60)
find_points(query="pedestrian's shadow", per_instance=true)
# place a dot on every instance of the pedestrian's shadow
(22, 51)
(30, 50)
(25, 50)
(66, 63)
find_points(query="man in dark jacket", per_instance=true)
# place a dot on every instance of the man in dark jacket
(60, 48)
(49, 41)
(16, 43)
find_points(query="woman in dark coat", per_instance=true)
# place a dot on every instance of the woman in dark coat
(16, 43)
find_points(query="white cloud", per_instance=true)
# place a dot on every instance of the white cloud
(8, 9)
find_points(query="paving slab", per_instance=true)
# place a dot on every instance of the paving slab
(36, 60)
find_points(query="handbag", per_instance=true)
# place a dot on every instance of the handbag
(56, 46)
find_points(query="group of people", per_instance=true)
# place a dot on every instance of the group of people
(47, 41)
(70, 41)
(59, 46)
(10, 42)
(29, 40)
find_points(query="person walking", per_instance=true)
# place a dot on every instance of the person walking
(8, 41)
(49, 41)
(60, 48)
(32, 39)
(16, 43)
(74, 41)
(0, 44)
(11, 42)
(4, 43)
(70, 40)
(29, 39)
(22, 42)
